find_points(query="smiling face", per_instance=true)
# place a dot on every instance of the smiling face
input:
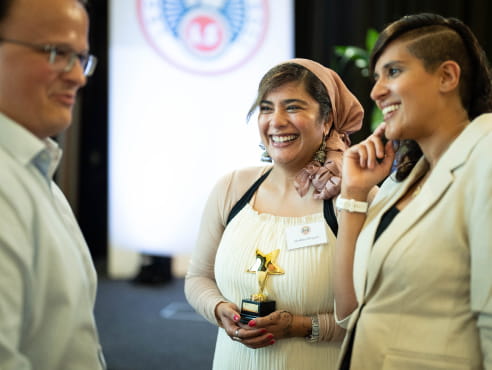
(31, 92)
(290, 125)
(406, 92)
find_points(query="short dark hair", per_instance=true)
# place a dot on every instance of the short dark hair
(293, 72)
(435, 39)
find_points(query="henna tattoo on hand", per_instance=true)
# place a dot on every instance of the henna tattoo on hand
(287, 330)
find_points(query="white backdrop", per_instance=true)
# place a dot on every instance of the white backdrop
(179, 91)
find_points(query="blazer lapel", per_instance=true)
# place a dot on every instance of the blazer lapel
(435, 187)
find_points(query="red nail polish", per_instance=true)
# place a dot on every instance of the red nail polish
(252, 323)
(272, 342)
(263, 331)
(236, 317)
(270, 336)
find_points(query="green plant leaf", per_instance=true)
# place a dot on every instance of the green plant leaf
(376, 117)
(371, 37)
(351, 53)
(340, 50)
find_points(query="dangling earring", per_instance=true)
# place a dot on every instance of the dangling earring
(320, 154)
(265, 157)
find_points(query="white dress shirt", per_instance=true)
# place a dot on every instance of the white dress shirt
(47, 279)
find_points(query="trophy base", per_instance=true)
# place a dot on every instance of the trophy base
(252, 309)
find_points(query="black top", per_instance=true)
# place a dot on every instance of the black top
(386, 220)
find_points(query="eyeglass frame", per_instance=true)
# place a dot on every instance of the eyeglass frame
(87, 61)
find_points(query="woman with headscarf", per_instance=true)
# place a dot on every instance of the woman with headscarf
(268, 233)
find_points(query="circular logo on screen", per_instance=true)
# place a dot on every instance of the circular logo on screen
(205, 37)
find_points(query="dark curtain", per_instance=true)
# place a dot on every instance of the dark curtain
(93, 163)
(322, 24)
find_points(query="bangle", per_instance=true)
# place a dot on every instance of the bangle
(351, 205)
(314, 336)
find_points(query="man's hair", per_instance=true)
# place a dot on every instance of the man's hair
(5, 6)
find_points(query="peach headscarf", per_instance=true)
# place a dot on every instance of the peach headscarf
(347, 115)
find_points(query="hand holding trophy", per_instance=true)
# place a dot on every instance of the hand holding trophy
(258, 304)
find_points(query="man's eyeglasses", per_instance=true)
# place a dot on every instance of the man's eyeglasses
(62, 60)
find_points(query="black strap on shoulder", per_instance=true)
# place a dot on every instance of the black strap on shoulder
(328, 210)
(246, 197)
(330, 217)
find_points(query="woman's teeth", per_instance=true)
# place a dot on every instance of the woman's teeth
(283, 139)
(390, 108)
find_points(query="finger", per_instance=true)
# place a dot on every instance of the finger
(260, 345)
(379, 139)
(372, 152)
(376, 148)
(379, 131)
(231, 327)
(389, 155)
(246, 333)
(389, 148)
(228, 311)
(254, 338)
(380, 146)
(263, 322)
(362, 153)
(249, 333)
(235, 335)
(264, 340)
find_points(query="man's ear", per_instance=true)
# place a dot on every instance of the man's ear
(450, 73)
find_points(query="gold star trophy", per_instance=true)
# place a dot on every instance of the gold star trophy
(258, 304)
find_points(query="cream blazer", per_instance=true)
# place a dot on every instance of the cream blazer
(425, 287)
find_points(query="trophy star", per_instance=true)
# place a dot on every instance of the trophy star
(266, 262)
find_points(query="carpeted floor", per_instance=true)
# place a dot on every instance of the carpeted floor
(151, 327)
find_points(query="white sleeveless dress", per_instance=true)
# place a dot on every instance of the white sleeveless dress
(304, 289)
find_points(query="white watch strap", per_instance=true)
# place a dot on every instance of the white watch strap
(351, 205)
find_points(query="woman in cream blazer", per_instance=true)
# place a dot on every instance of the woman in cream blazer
(413, 281)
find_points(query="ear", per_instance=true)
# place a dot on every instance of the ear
(327, 124)
(450, 73)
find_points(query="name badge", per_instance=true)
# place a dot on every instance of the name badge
(306, 235)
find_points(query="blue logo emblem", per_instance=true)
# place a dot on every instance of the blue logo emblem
(207, 36)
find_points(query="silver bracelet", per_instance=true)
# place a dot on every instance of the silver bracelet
(351, 205)
(314, 336)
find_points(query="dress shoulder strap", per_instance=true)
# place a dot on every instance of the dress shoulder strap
(330, 217)
(246, 197)
(328, 210)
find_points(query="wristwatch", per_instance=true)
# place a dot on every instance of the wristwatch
(314, 336)
(351, 205)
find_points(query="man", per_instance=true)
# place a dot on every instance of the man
(47, 279)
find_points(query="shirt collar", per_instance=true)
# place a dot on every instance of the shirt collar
(26, 148)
